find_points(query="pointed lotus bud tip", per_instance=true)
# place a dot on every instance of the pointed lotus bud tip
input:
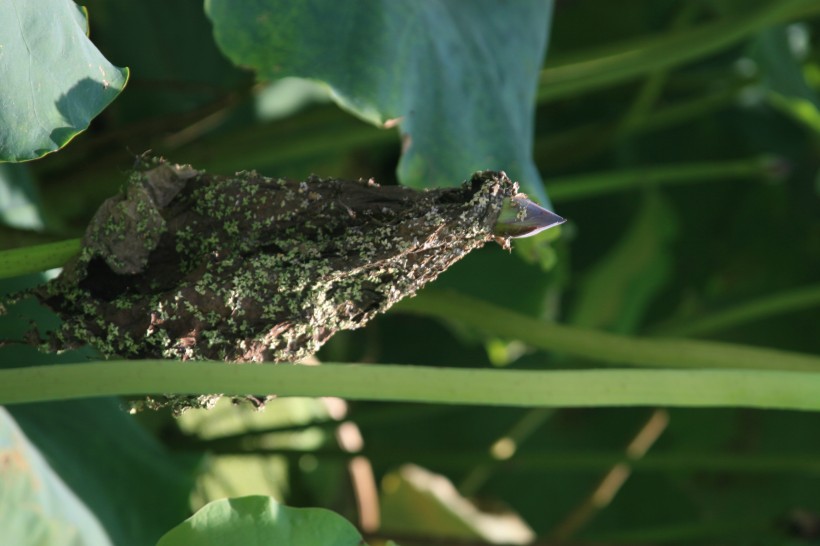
(520, 217)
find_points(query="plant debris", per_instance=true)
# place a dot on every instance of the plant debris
(187, 265)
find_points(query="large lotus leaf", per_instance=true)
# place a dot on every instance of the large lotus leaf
(36, 506)
(187, 69)
(53, 81)
(135, 487)
(458, 77)
(258, 521)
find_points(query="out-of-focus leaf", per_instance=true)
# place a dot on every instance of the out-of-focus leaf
(417, 501)
(285, 97)
(616, 292)
(231, 475)
(458, 78)
(19, 202)
(783, 77)
(260, 521)
(36, 506)
(53, 81)
(132, 484)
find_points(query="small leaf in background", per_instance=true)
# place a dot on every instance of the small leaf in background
(53, 81)
(419, 502)
(776, 51)
(135, 486)
(458, 78)
(36, 506)
(19, 199)
(248, 472)
(261, 521)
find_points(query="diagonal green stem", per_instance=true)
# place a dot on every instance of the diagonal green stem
(594, 184)
(611, 66)
(544, 460)
(382, 382)
(775, 304)
(601, 346)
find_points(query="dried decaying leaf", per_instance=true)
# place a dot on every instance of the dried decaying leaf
(187, 265)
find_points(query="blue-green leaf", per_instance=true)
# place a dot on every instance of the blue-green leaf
(261, 521)
(53, 81)
(459, 78)
(36, 506)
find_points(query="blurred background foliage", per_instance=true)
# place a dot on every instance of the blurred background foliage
(682, 141)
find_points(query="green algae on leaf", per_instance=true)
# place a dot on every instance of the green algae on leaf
(188, 265)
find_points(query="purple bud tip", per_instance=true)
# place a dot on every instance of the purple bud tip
(520, 217)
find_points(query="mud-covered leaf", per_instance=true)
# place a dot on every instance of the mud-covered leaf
(192, 266)
(459, 77)
(53, 81)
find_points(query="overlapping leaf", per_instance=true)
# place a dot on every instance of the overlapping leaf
(53, 81)
(458, 78)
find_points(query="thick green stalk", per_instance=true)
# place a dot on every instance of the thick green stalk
(32, 259)
(601, 346)
(560, 388)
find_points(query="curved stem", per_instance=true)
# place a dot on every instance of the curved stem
(601, 346)
(564, 388)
